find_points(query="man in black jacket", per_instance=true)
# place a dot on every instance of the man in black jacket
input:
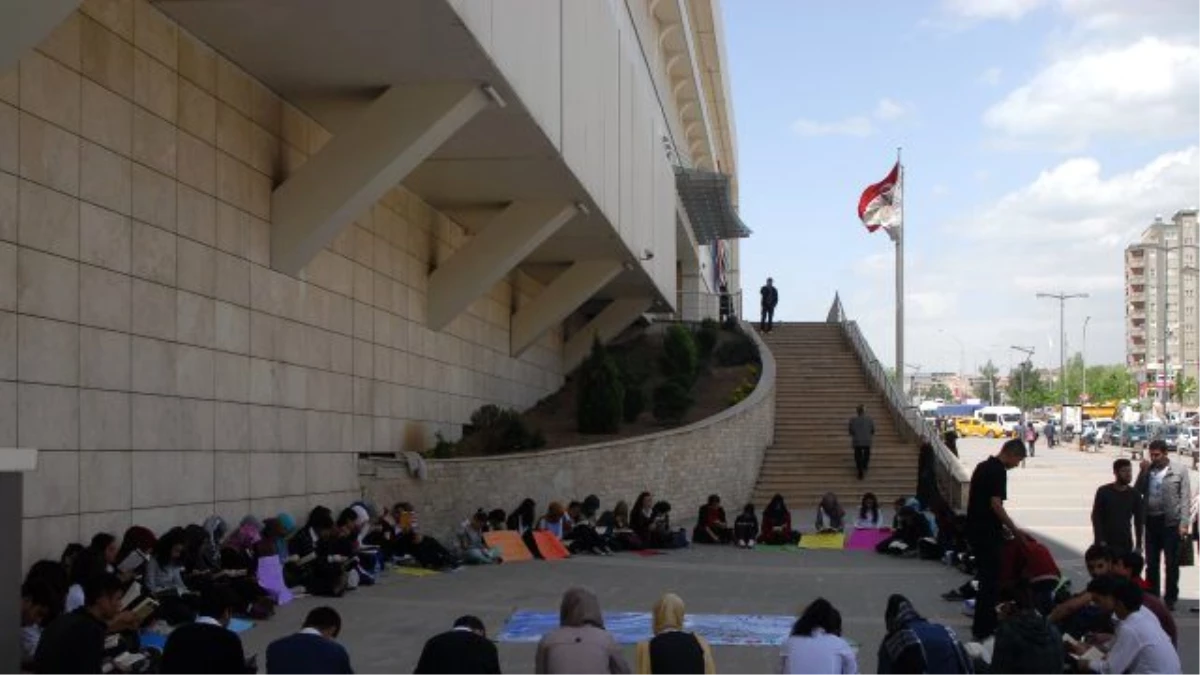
(314, 649)
(207, 645)
(74, 642)
(770, 298)
(462, 649)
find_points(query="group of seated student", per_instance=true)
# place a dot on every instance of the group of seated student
(186, 583)
(1037, 615)
(712, 525)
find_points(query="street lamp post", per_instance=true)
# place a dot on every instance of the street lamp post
(1084, 355)
(1028, 352)
(1062, 334)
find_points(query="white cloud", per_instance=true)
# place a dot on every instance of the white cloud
(859, 126)
(980, 10)
(1147, 89)
(991, 76)
(888, 110)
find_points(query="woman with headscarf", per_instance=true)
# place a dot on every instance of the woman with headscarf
(672, 649)
(616, 527)
(580, 644)
(285, 527)
(914, 645)
(777, 524)
(816, 644)
(831, 517)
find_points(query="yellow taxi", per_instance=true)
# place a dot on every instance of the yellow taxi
(971, 426)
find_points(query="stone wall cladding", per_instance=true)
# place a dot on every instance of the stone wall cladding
(164, 371)
(718, 455)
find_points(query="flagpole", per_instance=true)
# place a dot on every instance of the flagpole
(899, 231)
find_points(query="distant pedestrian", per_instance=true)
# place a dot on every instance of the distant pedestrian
(862, 433)
(1050, 430)
(1117, 507)
(951, 439)
(1164, 486)
(770, 298)
(1031, 436)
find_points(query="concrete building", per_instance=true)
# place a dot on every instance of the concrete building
(1162, 309)
(244, 242)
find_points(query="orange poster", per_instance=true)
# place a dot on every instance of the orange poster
(549, 546)
(512, 549)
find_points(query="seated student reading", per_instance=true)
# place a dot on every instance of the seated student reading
(816, 644)
(497, 520)
(1139, 645)
(711, 524)
(909, 527)
(831, 517)
(465, 648)
(556, 521)
(474, 550)
(164, 579)
(914, 645)
(672, 649)
(312, 562)
(583, 536)
(745, 528)
(777, 524)
(207, 645)
(39, 604)
(314, 649)
(641, 516)
(1130, 566)
(137, 545)
(74, 642)
(662, 534)
(410, 541)
(1026, 641)
(616, 525)
(868, 513)
(1079, 614)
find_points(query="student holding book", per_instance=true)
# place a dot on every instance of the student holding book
(74, 642)
(745, 528)
(312, 562)
(868, 513)
(207, 645)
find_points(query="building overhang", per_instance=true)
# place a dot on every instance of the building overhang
(709, 204)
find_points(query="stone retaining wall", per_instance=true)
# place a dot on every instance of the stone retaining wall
(721, 454)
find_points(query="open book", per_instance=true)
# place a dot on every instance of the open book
(132, 561)
(1092, 653)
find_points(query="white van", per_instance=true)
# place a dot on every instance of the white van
(1007, 416)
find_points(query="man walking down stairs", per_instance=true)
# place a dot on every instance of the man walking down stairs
(862, 433)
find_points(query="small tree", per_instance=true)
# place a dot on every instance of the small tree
(671, 401)
(679, 356)
(601, 393)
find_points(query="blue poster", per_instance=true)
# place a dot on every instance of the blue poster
(631, 627)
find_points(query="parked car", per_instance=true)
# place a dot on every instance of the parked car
(971, 426)
(1112, 435)
(1188, 440)
(1134, 435)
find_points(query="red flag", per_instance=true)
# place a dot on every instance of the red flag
(879, 205)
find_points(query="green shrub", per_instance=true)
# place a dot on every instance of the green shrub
(679, 356)
(706, 338)
(497, 431)
(442, 448)
(601, 393)
(746, 387)
(635, 402)
(738, 350)
(671, 401)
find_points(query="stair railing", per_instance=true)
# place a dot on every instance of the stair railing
(953, 479)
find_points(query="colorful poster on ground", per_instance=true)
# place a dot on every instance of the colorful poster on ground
(631, 627)
(832, 541)
(550, 546)
(512, 548)
(867, 540)
(270, 577)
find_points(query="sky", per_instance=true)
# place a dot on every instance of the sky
(1040, 137)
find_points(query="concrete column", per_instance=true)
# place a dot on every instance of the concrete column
(25, 23)
(13, 461)
(607, 325)
(358, 166)
(570, 290)
(486, 259)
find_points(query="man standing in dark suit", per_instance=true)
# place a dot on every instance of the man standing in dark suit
(463, 649)
(207, 645)
(770, 298)
(313, 649)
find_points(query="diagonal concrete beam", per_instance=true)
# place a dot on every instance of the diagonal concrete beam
(501, 246)
(571, 289)
(607, 325)
(358, 166)
(25, 23)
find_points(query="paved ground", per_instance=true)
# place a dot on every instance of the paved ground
(386, 625)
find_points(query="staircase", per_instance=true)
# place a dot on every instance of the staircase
(819, 381)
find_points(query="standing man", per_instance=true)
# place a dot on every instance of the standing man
(1117, 506)
(1164, 486)
(1049, 429)
(770, 298)
(986, 520)
(862, 432)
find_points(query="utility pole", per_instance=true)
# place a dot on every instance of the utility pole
(1028, 352)
(1062, 334)
(1083, 355)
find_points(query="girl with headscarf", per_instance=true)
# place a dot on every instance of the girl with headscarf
(816, 644)
(914, 645)
(616, 527)
(777, 524)
(672, 649)
(580, 644)
(830, 514)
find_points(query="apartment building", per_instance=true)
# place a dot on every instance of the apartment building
(1162, 309)
(244, 242)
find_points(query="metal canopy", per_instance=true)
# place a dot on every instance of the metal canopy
(705, 196)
